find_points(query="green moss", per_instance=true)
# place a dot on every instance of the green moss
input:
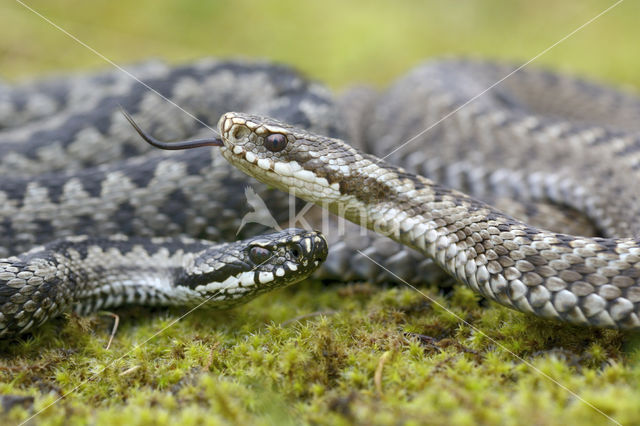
(244, 366)
(310, 354)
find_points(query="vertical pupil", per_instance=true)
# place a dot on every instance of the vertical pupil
(276, 142)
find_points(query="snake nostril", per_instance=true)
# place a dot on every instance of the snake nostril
(239, 132)
(296, 252)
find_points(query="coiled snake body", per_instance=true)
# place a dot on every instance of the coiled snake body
(506, 145)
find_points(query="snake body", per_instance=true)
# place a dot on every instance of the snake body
(587, 281)
(72, 165)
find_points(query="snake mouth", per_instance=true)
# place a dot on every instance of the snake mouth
(246, 159)
(316, 247)
(251, 158)
(308, 252)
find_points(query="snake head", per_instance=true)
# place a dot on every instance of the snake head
(236, 272)
(310, 166)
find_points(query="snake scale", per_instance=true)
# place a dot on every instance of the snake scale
(552, 151)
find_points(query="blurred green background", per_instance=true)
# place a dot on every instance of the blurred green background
(339, 42)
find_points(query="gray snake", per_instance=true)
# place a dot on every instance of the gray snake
(507, 145)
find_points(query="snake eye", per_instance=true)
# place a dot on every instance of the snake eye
(275, 142)
(259, 255)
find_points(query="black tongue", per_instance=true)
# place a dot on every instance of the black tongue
(172, 146)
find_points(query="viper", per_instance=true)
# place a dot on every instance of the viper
(581, 280)
(542, 154)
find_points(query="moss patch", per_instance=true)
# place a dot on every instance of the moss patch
(325, 354)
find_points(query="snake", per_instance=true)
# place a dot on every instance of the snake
(86, 274)
(90, 221)
(580, 280)
(509, 147)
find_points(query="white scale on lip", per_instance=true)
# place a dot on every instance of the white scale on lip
(250, 156)
(292, 266)
(263, 163)
(265, 277)
(246, 279)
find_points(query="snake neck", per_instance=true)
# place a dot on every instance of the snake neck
(581, 280)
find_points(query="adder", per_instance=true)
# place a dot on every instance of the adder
(517, 129)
